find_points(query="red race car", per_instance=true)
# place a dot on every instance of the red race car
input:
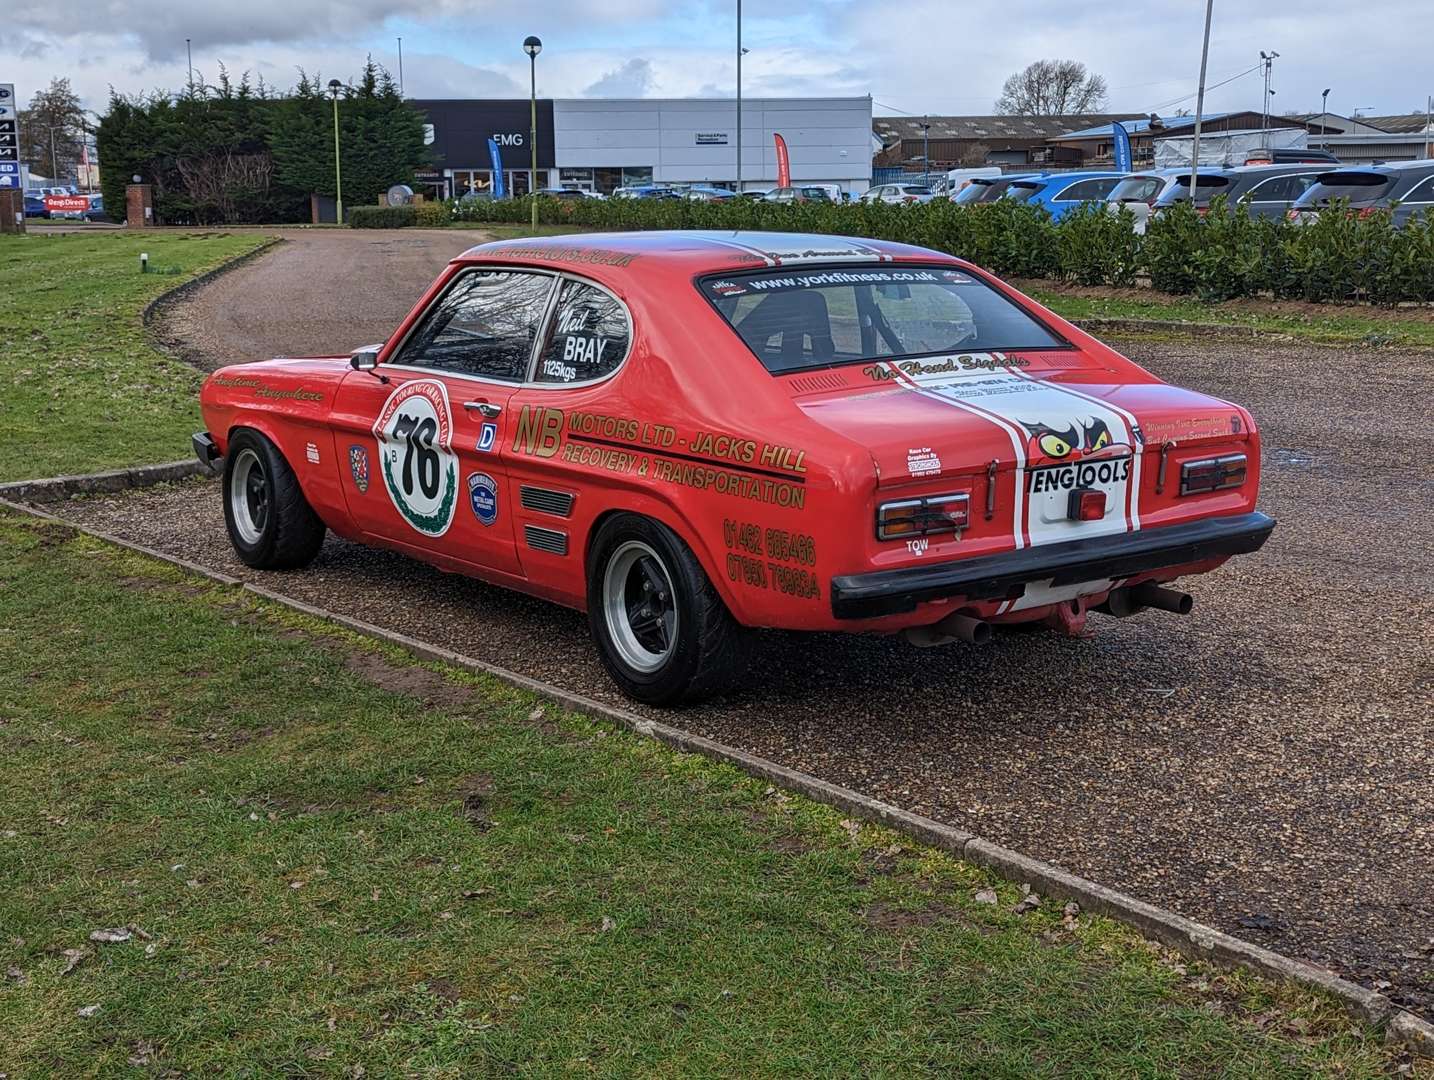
(691, 434)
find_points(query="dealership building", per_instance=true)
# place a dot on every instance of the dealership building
(599, 144)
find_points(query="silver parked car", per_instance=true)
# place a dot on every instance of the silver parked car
(898, 194)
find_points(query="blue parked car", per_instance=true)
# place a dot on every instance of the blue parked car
(1060, 193)
(35, 206)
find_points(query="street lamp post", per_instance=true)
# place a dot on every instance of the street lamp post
(740, 51)
(334, 87)
(532, 46)
(1323, 111)
(1200, 103)
(54, 167)
(926, 150)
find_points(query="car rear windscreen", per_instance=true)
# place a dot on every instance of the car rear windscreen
(794, 320)
(1359, 188)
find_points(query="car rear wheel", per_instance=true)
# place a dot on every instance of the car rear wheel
(271, 524)
(662, 632)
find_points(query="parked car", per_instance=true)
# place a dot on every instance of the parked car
(702, 193)
(688, 434)
(752, 193)
(35, 206)
(1060, 193)
(567, 194)
(647, 191)
(898, 193)
(1406, 185)
(1138, 192)
(1290, 155)
(1265, 190)
(809, 193)
(96, 212)
(983, 189)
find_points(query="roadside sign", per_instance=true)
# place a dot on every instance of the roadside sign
(61, 204)
(7, 101)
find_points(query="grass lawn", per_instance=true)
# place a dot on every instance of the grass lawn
(321, 855)
(80, 387)
(1332, 324)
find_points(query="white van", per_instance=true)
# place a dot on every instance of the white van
(957, 179)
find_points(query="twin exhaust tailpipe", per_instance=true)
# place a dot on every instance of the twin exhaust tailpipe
(1128, 601)
(1120, 603)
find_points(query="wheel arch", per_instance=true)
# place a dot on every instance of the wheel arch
(665, 513)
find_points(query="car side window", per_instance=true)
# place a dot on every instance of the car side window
(1281, 189)
(588, 338)
(1421, 193)
(1084, 190)
(484, 325)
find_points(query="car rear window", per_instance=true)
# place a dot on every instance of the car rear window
(1358, 187)
(1136, 189)
(794, 320)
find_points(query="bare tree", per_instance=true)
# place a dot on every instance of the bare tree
(975, 154)
(1052, 88)
(54, 114)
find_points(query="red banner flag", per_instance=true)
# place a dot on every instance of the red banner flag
(784, 164)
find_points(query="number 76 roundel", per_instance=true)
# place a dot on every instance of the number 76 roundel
(420, 471)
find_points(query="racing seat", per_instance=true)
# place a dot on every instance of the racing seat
(793, 318)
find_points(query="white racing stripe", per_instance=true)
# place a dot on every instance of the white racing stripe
(1060, 439)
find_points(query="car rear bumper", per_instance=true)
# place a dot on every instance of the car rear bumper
(207, 453)
(1004, 576)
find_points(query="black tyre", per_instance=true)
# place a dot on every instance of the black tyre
(271, 524)
(662, 632)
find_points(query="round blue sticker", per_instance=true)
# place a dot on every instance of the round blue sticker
(483, 495)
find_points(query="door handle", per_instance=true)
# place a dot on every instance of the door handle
(487, 408)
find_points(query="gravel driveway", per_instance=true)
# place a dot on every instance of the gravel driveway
(1265, 765)
(325, 291)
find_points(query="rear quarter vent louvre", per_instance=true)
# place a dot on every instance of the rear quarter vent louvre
(546, 500)
(811, 384)
(552, 541)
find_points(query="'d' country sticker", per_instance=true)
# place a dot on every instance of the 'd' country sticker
(420, 470)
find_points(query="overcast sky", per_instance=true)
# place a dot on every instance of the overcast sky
(913, 56)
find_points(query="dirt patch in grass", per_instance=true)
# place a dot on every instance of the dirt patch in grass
(433, 689)
(477, 794)
(888, 917)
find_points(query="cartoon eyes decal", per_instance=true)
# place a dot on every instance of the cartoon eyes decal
(1097, 436)
(1054, 446)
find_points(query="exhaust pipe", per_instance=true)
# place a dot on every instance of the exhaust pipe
(1157, 596)
(964, 628)
(1126, 602)
(952, 628)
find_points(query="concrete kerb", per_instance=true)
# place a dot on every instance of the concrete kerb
(59, 488)
(1175, 931)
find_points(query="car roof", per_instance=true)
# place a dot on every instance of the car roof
(616, 257)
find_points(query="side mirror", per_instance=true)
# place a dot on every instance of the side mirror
(366, 359)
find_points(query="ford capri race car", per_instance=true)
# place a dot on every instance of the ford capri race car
(688, 435)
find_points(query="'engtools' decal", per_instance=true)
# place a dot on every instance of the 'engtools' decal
(1061, 439)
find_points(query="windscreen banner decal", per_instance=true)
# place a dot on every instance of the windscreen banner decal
(1061, 438)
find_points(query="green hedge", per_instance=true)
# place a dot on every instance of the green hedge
(382, 217)
(1215, 256)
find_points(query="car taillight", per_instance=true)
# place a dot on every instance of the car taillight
(911, 198)
(922, 517)
(1368, 211)
(1212, 474)
(1086, 504)
(1292, 215)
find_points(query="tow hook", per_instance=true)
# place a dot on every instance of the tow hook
(1069, 618)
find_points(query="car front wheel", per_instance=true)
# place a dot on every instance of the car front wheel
(662, 632)
(271, 524)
